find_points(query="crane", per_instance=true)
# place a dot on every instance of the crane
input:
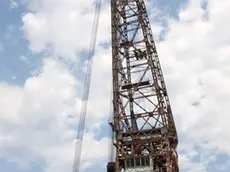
(143, 129)
(143, 125)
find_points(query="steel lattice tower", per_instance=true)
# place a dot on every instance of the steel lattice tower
(143, 125)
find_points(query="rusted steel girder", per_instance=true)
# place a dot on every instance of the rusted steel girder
(143, 123)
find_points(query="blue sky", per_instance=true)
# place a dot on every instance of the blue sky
(14, 54)
(40, 97)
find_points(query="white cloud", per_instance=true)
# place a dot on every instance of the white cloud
(13, 4)
(194, 58)
(36, 121)
(189, 166)
(57, 24)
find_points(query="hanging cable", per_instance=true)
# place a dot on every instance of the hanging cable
(81, 126)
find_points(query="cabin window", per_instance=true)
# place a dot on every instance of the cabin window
(138, 162)
(132, 162)
(128, 163)
(147, 161)
(143, 161)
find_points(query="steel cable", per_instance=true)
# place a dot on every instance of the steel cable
(83, 112)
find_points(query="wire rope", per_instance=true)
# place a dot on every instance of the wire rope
(83, 112)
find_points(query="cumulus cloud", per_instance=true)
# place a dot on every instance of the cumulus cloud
(194, 60)
(47, 106)
(56, 25)
(38, 120)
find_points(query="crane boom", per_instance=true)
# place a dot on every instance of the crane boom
(83, 112)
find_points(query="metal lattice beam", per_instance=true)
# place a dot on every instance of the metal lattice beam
(143, 122)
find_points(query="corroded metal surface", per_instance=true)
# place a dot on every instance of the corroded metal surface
(143, 122)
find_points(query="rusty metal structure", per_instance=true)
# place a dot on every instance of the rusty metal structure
(145, 136)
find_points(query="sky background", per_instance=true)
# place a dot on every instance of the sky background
(42, 40)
